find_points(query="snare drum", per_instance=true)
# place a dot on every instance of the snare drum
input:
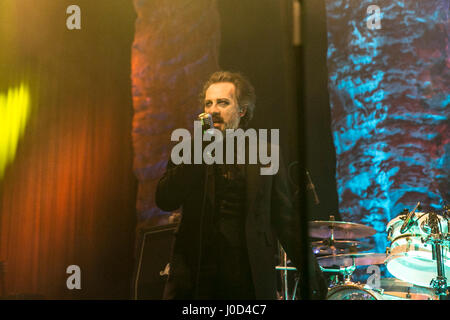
(408, 258)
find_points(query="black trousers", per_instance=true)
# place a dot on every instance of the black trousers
(225, 272)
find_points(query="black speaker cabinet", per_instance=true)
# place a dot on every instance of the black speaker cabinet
(153, 257)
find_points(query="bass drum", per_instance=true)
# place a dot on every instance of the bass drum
(356, 292)
(406, 291)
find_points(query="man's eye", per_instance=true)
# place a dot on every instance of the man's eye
(223, 103)
(208, 104)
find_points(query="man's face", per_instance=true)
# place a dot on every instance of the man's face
(221, 103)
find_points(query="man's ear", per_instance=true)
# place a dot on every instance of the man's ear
(242, 111)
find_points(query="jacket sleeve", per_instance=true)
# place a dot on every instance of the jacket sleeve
(286, 224)
(176, 184)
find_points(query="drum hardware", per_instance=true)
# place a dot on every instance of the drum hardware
(392, 287)
(349, 259)
(408, 293)
(356, 291)
(339, 276)
(285, 291)
(409, 219)
(330, 231)
(340, 268)
(437, 240)
(284, 268)
(446, 212)
(339, 230)
(338, 255)
(419, 249)
(328, 247)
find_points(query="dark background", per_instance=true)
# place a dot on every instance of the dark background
(257, 40)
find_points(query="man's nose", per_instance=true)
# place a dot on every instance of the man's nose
(215, 115)
(214, 109)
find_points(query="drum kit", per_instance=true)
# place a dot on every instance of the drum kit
(418, 257)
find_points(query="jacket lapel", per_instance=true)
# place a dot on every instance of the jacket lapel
(253, 184)
(210, 187)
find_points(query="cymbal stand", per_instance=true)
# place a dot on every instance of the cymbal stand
(332, 231)
(346, 272)
(439, 284)
(284, 278)
(437, 239)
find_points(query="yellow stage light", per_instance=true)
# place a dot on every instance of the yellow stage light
(14, 114)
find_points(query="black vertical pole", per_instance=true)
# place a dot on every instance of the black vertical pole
(299, 18)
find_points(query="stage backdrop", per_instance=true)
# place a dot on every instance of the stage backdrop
(175, 49)
(389, 86)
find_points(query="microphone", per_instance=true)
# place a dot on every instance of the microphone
(312, 187)
(406, 224)
(206, 121)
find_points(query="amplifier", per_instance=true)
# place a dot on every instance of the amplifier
(153, 257)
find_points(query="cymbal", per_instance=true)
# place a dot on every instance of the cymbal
(346, 260)
(340, 230)
(340, 247)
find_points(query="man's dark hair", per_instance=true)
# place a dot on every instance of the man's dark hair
(245, 93)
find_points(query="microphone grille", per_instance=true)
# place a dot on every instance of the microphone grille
(206, 120)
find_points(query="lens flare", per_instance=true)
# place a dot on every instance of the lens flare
(14, 114)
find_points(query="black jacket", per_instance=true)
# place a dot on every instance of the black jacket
(269, 211)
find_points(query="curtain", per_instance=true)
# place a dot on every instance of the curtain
(68, 194)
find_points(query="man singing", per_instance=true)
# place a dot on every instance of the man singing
(225, 246)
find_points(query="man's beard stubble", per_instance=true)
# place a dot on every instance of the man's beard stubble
(232, 124)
